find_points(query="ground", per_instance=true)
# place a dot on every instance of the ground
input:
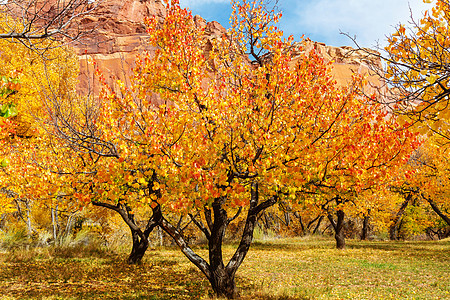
(296, 268)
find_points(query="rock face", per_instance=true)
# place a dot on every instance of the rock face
(346, 61)
(118, 34)
(115, 34)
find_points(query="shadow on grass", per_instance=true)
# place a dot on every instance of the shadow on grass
(109, 277)
(99, 278)
(411, 249)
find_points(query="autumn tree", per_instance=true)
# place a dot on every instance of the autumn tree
(417, 70)
(428, 187)
(364, 162)
(241, 128)
(244, 129)
(416, 77)
(28, 76)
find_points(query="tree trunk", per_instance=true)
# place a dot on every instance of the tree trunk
(221, 277)
(300, 221)
(159, 234)
(69, 226)
(437, 210)
(54, 213)
(338, 228)
(139, 237)
(393, 229)
(247, 235)
(287, 218)
(318, 225)
(139, 247)
(223, 284)
(365, 228)
(28, 221)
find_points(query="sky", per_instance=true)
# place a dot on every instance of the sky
(323, 20)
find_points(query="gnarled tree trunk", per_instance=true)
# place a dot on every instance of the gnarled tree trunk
(140, 245)
(139, 236)
(338, 227)
(221, 276)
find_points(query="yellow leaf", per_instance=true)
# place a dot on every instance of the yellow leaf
(432, 78)
(156, 186)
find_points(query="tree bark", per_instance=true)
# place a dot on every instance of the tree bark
(365, 228)
(338, 228)
(393, 229)
(437, 210)
(221, 277)
(300, 221)
(54, 213)
(221, 281)
(139, 248)
(318, 225)
(139, 237)
(28, 220)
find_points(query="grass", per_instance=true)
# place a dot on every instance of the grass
(273, 269)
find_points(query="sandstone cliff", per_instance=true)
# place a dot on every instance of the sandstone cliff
(119, 34)
(346, 61)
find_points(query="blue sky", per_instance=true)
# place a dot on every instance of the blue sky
(322, 20)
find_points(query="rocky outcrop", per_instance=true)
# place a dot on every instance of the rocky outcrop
(118, 35)
(115, 34)
(346, 61)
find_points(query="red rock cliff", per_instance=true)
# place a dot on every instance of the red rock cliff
(119, 34)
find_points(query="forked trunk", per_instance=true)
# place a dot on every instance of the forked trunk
(395, 223)
(138, 250)
(221, 277)
(139, 237)
(318, 225)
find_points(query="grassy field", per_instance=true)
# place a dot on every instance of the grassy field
(279, 269)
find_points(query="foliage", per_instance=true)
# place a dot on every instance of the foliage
(241, 127)
(25, 179)
(417, 68)
(417, 71)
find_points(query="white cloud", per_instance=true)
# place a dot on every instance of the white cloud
(369, 20)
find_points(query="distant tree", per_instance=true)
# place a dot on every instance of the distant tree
(417, 78)
(27, 76)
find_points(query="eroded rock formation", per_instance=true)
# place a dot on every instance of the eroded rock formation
(346, 61)
(119, 35)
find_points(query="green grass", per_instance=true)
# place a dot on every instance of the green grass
(275, 269)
